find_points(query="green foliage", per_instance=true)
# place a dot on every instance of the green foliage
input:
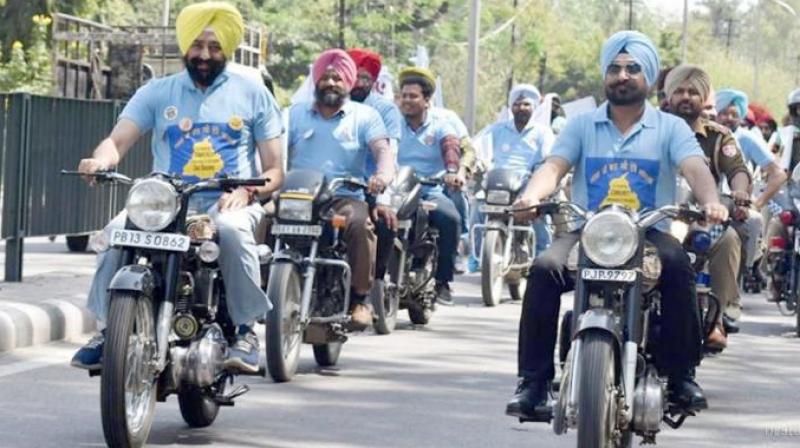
(31, 70)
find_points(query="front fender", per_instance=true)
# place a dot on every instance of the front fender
(598, 319)
(134, 278)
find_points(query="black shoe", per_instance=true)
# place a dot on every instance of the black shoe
(729, 324)
(443, 294)
(686, 393)
(529, 402)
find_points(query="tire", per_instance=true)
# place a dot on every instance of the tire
(130, 321)
(517, 289)
(491, 268)
(78, 243)
(327, 355)
(596, 380)
(197, 408)
(385, 304)
(284, 330)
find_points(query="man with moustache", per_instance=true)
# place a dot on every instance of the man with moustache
(203, 107)
(687, 88)
(335, 135)
(603, 146)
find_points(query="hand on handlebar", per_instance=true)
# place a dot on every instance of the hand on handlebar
(742, 202)
(716, 213)
(376, 185)
(454, 180)
(91, 166)
(235, 200)
(524, 204)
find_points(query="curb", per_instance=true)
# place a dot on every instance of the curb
(25, 324)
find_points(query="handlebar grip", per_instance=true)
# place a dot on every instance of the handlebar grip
(257, 182)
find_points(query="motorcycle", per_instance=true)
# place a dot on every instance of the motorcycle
(508, 249)
(783, 253)
(414, 258)
(168, 330)
(309, 277)
(610, 388)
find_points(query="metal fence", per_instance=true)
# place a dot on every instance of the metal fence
(40, 137)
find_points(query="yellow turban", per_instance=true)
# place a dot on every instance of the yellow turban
(222, 17)
(418, 72)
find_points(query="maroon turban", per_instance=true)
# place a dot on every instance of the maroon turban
(339, 61)
(366, 59)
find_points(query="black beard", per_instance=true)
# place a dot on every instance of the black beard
(689, 117)
(630, 97)
(205, 79)
(359, 94)
(329, 97)
(521, 120)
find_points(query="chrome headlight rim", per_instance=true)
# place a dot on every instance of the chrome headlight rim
(295, 209)
(623, 225)
(167, 198)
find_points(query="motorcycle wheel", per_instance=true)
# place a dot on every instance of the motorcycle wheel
(128, 385)
(492, 268)
(327, 355)
(385, 303)
(596, 413)
(419, 315)
(197, 408)
(284, 329)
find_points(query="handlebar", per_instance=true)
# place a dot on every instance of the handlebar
(224, 184)
(352, 182)
(101, 176)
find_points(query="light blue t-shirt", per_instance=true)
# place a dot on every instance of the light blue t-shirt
(201, 135)
(637, 170)
(519, 150)
(337, 146)
(422, 149)
(754, 148)
(392, 119)
(451, 118)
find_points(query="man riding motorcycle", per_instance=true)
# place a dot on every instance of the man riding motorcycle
(206, 122)
(640, 150)
(687, 89)
(334, 135)
(519, 144)
(429, 145)
(732, 108)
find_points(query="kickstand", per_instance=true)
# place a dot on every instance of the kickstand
(227, 400)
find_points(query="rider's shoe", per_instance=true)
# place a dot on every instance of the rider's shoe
(443, 294)
(686, 393)
(244, 356)
(730, 325)
(360, 316)
(717, 340)
(529, 402)
(90, 356)
(473, 265)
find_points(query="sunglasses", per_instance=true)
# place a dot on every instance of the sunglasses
(616, 69)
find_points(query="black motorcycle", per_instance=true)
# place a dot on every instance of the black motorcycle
(508, 249)
(168, 329)
(414, 257)
(309, 278)
(609, 388)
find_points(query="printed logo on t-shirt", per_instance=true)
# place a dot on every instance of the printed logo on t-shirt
(207, 150)
(627, 182)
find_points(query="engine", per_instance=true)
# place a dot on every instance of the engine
(199, 363)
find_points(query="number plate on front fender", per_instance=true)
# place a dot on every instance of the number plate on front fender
(296, 229)
(609, 275)
(150, 240)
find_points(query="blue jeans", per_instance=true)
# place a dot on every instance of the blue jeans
(447, 220)
(459, 199)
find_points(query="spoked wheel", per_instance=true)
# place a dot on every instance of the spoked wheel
(419, 315)
(284, 329)
(128, 383)
(597, 406)
(492, 268)
(385, 303)
(198, 407)
(327, 355)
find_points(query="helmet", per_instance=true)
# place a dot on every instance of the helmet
(793, 98)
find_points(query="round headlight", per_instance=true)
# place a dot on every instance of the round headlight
(152, 204)
(610, 239)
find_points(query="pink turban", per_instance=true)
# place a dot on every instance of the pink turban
(337, 60)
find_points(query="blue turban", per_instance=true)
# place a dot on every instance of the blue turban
(728, 97)
(636, 44)
(525, 91)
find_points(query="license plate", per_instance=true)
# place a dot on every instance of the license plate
(609, 275)
(404, 224)
(296, 229)
(150, 240)
(484, 208)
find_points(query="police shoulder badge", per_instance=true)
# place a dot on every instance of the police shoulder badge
(729, 150)
(170, 113)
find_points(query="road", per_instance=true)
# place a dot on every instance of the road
(444, 385)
